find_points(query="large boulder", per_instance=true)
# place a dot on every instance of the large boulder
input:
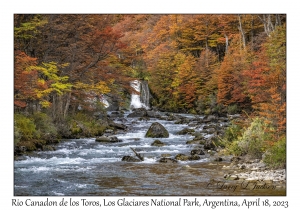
(108, 139)
(157, 130)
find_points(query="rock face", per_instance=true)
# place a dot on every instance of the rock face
(157, 143)
(108, 139)
(156, 130)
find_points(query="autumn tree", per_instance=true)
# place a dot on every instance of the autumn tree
(231, 87)
(267, 80)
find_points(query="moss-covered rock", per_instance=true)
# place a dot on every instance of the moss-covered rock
(108, 139)
(157, 130)
(182, 157)
(158, 143)
(186, 131)
(194, 157)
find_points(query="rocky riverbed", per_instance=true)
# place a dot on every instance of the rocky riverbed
(123, 161)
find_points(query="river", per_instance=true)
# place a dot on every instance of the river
(84, 167)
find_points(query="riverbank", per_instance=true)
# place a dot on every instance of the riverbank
(192, 143)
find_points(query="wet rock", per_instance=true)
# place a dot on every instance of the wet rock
(157, 130)
(192, 142)
(130, 159)
(140, 112)
(167, 160)
(197, 152)
(135, 139)
(235, 160)
(158, 143)
(218, 159)
(165, 155)
(108, 139)
(194, 157)
(115, 114)
(182, 157)
(209, 130)
(18, 150)
(209, 118)
(186, 131)
(117, 125)
(48, 148)
(153, 114)
(209, 145)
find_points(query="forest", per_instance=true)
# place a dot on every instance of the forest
(205, 64)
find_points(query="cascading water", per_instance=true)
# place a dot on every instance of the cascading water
(141, 98)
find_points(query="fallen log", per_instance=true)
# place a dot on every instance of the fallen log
(137, 154)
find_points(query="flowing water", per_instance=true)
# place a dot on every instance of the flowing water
(86, 168)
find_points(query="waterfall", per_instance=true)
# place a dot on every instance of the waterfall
(140, 100)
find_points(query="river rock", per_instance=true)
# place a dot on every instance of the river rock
(48, 148)
(194, 157)
(197, 152)
(218, 159)
(167, 160)
(182, 157)
(117, 125)
(140, 112)
(130, 159)
(153, 114)
(165, 155)
(108, 139)
(157, 130)
(209, 118)
(186, 131)
(157, 143)
(209, 145)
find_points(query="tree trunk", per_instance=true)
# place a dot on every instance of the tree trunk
(67, 105)
(242, 32)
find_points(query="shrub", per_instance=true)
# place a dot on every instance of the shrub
(85, 125)
(232, 109)
(25, 128)
(275, 157)
(253, 141)
(44, 124)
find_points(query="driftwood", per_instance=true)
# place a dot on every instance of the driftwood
(137, 154)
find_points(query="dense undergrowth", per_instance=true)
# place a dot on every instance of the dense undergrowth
(34, 131)
(255, 138)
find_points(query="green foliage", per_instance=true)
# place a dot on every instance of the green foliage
(275, 157)
(250, 141)
(82, 124)
(44, 125)
(25, 128)
(253, 140)
(233, 109)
